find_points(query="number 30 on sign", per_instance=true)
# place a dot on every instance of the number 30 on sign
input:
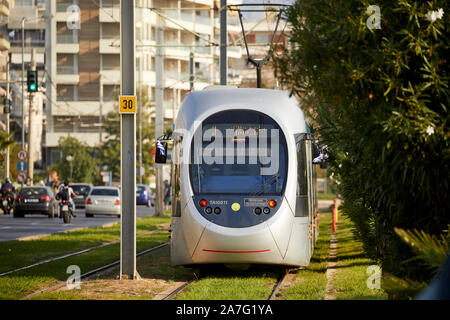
(127, 104)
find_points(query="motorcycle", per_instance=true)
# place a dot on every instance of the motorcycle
(6, 203)
(65, 210)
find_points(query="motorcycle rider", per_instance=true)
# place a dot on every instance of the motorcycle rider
(70, 192)
(9, 190)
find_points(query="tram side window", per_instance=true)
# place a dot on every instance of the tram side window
(301, 205)
(176, 154)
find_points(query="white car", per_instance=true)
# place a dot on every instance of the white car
(103, 200)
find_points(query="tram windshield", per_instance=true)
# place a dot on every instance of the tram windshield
(238, 152)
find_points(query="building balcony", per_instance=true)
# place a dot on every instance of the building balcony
(67, 75)
(110, 45)
(188, 21)
(109, 15)
(67, 48)
(90, 138)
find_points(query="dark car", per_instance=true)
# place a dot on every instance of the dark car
(32, 200)
(82, 191)
(143, 195)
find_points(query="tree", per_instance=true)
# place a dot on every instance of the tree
(5, 142)
(83, 167)
(379, 99)
(109, 153)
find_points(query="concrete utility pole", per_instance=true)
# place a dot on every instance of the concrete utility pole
(31, 120)
(191, 71)
(128, 144)
(50, 62)
(141, 62)
(7, 118)
(223, 42)
(159, 118)
(23, 83)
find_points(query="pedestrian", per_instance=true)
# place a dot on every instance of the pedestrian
(167, 188)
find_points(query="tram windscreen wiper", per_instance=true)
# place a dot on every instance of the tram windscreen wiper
(262, 187)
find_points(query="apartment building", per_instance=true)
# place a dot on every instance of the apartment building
(5, 6)
(80, 73)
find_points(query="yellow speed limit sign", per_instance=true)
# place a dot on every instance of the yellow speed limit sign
(127, 104)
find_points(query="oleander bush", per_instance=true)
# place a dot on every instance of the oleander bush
(379, 98)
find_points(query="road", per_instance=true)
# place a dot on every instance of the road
(34, 225)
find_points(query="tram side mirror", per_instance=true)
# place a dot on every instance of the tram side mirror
(161, 152)
(320, 156)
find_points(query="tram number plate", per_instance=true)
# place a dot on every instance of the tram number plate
(255, 202)
(127, 104)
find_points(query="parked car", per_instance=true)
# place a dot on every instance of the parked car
(143, 195)
(82, 191)
(32, 200)
(103, 200)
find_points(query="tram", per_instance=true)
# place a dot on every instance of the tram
(243, 179)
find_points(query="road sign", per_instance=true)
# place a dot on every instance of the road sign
(22, 165)
(22, 176)
(22, 155)
(127, 104)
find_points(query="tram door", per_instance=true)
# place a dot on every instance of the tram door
(304, 206)
(311, 200)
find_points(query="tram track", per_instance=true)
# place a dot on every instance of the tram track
(91, 273)
(283, 281)
(72, 254)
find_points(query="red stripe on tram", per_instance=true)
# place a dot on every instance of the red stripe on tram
(223, 251)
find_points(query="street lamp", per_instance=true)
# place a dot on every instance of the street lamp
(70, 159)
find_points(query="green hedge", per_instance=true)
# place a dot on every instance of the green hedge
(379, 99)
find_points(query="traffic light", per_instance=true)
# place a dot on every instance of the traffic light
(7, 106)
(32, 81)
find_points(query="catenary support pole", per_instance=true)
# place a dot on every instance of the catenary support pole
(128, 144)
(159, 116)
(223, 42)
(7, 118)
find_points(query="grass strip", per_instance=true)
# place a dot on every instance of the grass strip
(310, 283)
(15, 254)
(350, 279)
(255, 284)
(155, 269)
(21, 283)
(25, 282)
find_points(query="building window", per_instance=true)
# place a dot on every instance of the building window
(66, 35)
(111, 62)
(62, 5)
(23, 3)
(110, 92)
(67, 63)
(89, 124)
(63, 123)
(66, 92)
(110, 30)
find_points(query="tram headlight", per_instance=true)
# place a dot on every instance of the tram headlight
(272, 203)
(208, 210)
(203, 203)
